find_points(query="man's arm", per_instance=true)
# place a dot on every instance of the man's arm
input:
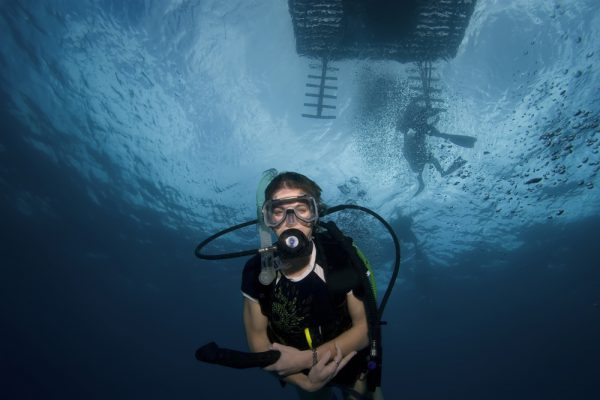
(357, 337)
(354, 339)
(255, 324)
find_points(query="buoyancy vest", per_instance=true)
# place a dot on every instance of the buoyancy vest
(340, 278)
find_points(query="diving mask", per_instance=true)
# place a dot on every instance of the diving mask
(277, 211)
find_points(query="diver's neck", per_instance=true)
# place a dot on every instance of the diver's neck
(297, 267)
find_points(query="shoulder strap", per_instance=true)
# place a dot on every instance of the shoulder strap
(339, 252)
(334, 259)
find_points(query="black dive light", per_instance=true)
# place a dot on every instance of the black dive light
(213, 354)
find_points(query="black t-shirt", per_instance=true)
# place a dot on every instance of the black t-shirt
(297, 304)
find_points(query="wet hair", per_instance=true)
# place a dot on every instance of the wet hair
(294, 180)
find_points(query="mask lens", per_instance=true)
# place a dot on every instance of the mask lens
(276, 211)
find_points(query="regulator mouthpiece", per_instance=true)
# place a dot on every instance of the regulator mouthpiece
(293, 244)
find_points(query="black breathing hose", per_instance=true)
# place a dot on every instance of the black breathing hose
(225, 255)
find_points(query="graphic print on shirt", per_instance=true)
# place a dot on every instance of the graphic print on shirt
(290, 310)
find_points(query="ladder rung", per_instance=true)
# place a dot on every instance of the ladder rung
(322, 106)
(329, 78)
(319, 116)
(318, 86)
(325, 96)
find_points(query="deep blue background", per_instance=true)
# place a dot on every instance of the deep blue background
(100, 293)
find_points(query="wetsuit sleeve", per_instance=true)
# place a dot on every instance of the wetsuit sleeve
(250, 277)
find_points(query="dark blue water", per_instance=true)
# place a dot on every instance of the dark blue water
(129, 134)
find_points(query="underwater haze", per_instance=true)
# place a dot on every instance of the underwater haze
(132, 130)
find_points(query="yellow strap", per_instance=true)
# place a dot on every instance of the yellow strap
(308, 338)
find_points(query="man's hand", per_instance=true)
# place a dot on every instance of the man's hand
(291, 360)
(326, 369)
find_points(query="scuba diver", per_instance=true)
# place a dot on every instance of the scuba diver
(310, 312)
(415, 126)
(296, 315)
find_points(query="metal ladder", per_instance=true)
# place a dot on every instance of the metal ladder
(325, 86)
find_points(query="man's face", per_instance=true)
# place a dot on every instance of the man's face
(290, 219)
